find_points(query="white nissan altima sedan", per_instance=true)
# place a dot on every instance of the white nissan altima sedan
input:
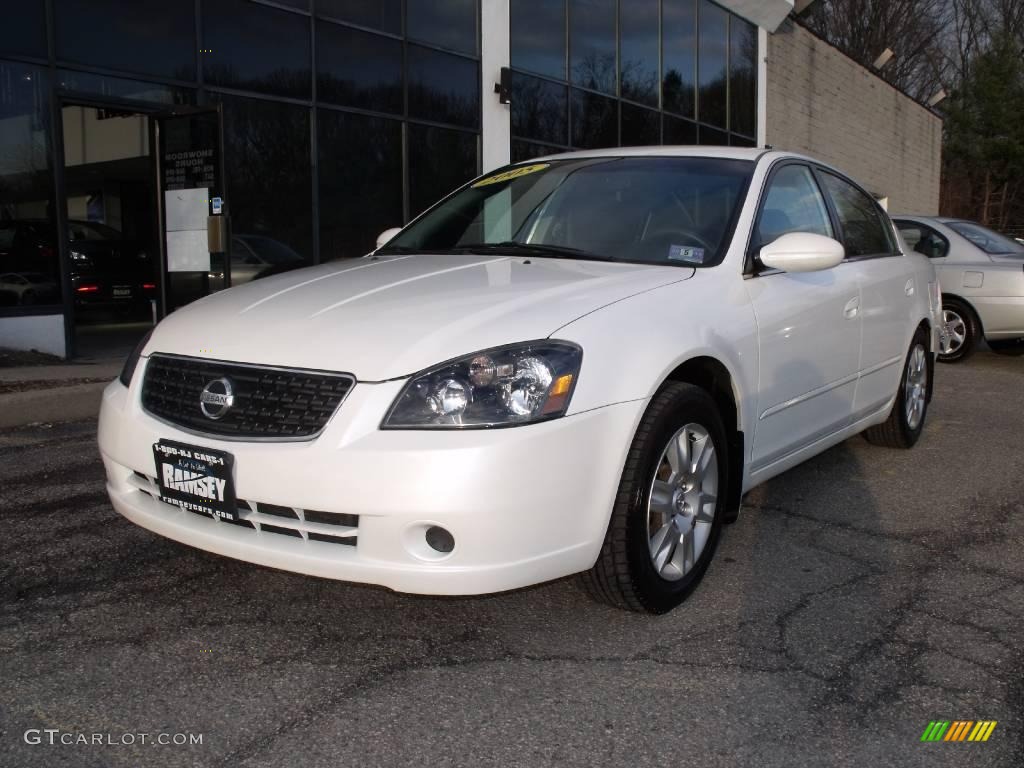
(573, 365)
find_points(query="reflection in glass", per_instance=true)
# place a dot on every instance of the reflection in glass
(594, 121)
(447, 23)
(677, 131)
(358, 69)
(679, 41)
(360, 181)
(29, 272)
(639, 126)
(638, 29)
(269, 185)
(742, 76)
(149, 36)
(385, 15)
(23, 30)
(714, 25)
(592, 44)
(256, 47)
(538, 36)
(443, 87)
(539, 109)
(736, 140)
(440, 161)
(713, 136)
(527, 150)
(123, 88)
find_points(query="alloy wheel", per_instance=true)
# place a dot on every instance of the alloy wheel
(915, 390)
(956, 331)
(682, 501)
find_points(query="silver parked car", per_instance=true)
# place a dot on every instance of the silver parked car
(982, 277)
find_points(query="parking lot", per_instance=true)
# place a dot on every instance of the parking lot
(859, 597)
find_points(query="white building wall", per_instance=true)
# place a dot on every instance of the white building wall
(496, 125)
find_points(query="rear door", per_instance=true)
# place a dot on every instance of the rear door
(808, 326)
(889, 290)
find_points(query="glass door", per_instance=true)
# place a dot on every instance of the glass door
(193, 211)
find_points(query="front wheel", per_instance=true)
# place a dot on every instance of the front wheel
(906, 420)
(669, 507)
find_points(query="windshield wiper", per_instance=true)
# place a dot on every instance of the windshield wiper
(511, 247)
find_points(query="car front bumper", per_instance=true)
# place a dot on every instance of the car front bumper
(525, 504)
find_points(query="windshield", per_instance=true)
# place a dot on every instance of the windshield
(664, 210)
(986, 239)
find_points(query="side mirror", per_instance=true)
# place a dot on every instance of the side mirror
(802, 252)
(386, 235)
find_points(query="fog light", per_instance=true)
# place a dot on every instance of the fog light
(440, 540)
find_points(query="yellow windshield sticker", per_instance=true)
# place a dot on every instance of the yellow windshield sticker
(514, 173)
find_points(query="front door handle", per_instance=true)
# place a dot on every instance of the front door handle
(852, 308)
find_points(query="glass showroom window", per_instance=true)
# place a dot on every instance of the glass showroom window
(600, 73)
(28, 240)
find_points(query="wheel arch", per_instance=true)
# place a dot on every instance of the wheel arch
(712, 375)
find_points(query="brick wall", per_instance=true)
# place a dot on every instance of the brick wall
(823, 104)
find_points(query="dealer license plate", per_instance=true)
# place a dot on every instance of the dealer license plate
(195, 478)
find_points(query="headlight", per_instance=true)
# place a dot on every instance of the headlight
(133, 360)
(501, 387)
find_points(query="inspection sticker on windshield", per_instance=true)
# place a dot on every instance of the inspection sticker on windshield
(686, 253)
(515, 173)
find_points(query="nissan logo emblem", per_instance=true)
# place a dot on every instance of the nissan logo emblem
(217, 398)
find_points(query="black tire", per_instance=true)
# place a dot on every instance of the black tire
(624, 575)
(896, 431)
(1012, 347)
(960, 313)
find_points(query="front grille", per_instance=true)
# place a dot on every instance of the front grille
(337, 528)
(269, 403)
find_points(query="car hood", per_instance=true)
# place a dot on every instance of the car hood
(388, 317)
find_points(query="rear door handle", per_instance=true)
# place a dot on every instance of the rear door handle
(852, 308)
(909, 287)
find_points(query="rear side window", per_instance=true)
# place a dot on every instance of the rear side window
(793, 203)
(864, 232)
(922, 239)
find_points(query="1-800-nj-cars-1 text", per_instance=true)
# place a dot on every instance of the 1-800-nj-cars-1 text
(573, 365)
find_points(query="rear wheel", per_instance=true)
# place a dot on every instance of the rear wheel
(906, 420)
(669, 507)
(963, 330)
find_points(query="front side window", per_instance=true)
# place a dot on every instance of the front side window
(793, 203)
(667, 210)
(922, 239)
(986, 239)
(864, 233)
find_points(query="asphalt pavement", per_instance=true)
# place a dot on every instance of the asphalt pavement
(859, 597)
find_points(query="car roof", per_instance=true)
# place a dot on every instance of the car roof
(738, 153)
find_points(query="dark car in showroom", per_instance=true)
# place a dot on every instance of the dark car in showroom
(108, 271)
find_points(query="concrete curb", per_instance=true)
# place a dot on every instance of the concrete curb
(80, 401)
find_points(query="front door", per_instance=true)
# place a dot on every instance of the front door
(809, 328)
(193, 209)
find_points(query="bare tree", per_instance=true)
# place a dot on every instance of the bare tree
(913, 29)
